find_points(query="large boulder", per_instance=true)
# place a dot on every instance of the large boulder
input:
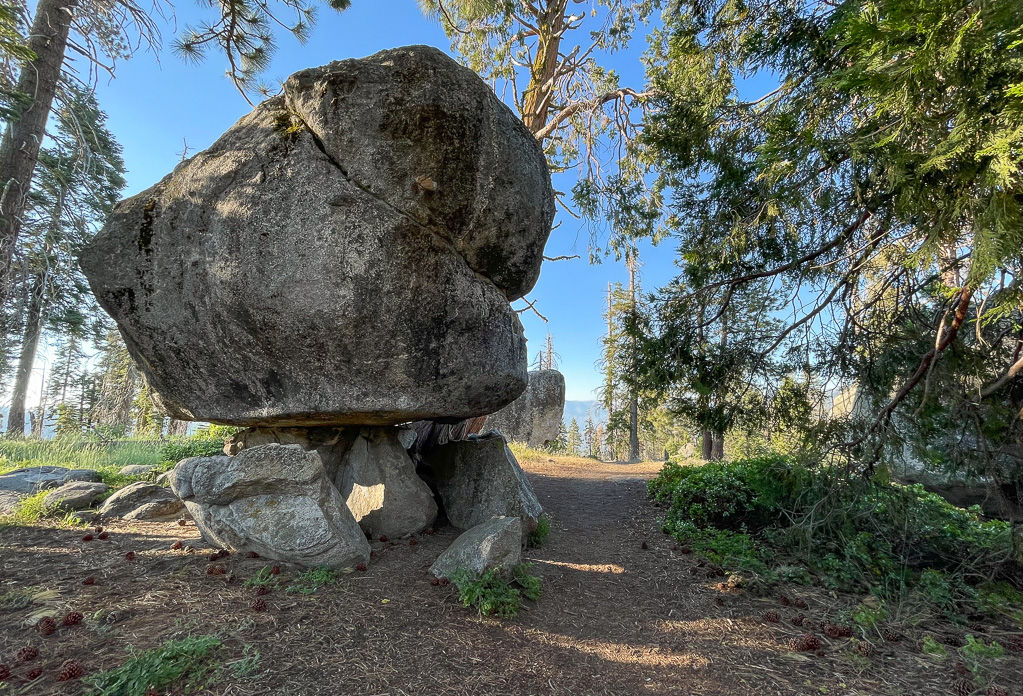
(379, 484)
(75, 495)
(143, 501)
(275, 500)
(344, 254)
(479, 478)
(535, 417)
(495, 544)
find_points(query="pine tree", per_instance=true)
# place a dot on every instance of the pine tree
(573, 439)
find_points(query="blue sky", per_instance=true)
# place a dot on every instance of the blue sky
(157, 103)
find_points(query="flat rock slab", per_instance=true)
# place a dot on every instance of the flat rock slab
(479, 478)
(496, 543)
(275, 500)
(143, 501)
(41, 478)
(76, 495)
(344, 254)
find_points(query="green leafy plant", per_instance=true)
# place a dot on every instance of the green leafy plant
(311, 580)
(193, 659)
(490, 594)
(530, 584)
(933, 647)
(538, 536)
(263, 578)
(978, 649)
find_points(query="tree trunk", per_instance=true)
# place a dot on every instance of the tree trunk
(19, 150)
(634, 430)
(717, 449)
(29, 346)
(707, 444)
(177, 428)
(536, 100)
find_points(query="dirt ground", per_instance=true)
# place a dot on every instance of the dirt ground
(624, 611)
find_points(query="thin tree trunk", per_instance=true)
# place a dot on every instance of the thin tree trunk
(707, 445)
(536, 101)
(29, 346)
(633, 396)
(177, 428)
(19, 150)
(717, 448)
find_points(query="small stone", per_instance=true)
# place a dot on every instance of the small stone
(176, 545)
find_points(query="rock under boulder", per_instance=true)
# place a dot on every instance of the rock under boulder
(479, 478)
(41, 478)
(344, 254)
(378, 482)
(535, 417)
(76, 495)
(275, 500)
(497, 543)
(143, 501)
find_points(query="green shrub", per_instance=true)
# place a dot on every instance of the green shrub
(538, 536)
(530, 584)
(849, 532)
(193, 659)
(192, 447)
(491, 594)
(312, 580)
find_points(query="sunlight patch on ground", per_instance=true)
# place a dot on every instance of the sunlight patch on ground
(609, 568)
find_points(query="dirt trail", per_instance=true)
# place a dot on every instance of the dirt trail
(615, 618)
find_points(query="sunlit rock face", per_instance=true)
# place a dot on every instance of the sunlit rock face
(345, 254)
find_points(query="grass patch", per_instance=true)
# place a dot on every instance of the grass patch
(312, 580)
(538, 536)
(193, 661)
(492, 595)
(264, 578)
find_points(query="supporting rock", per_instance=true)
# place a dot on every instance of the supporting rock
(143, 501)
(534, 417)
(378, 481)
(493, 544)
(479, 478)
(275, 500)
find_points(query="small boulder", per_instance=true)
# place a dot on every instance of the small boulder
(275, 500)
(479, 478)
(33, 479)
(90, 475)
(76, 495)
(379, 484)
(143, 501)
(136, 470)
(496, 543)
(9, 502)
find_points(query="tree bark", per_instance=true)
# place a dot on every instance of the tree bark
(707, 444)
(717, 448)
(19, 150)
(536, 100)
(177, 428)
(29, 346)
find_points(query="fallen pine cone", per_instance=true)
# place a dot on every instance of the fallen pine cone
(361, 567)
(1015, 644)
(103, 536)
(413, 541)
(253, 554)
(429, 530)
(996, 691)
(839, 631)
(961, 668)
(962, 687)
(216, 570)
(435, 582)
(73, 618)
(176, 546)
(807, 642)
(686, 550)
(34, 673)
(260, 591)
(276, 570)
(979, 628)
(87, 537)
(383, 538)
(954, 640)
(130, 556)
(444, 581)
(99, 530)
(785, 601)
(259, 605)
(771, 616)
(800, 603)
(865, 649)
(89, 581)
(5, 672)
(46, 626)
(798, 620)
(719, 601)
(71, 669)
(890, 635)
(27, 654)
(182, 522)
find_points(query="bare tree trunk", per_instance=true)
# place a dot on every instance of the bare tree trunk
(536, 100)
(29, 346)
(633, 396)
(177, 428)
(707, 444)
(19, 150)
(717, 449)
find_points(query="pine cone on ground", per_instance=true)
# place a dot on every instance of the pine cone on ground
(996, 691)
(259, 604)
(961, 668)
(977, 627)
(807, 642)
(89, 581)
(800, 603)
(103, 536)
(361, 567)
(839, 631)
(962, 687)
(176, 545)
(785, 601)
(890, 635)
(34, 673)
(216, 570)
(87, 537)
(771, 616)
(865, 649)
(276, 570)
(29, 652)
(252, 554)
(46, 626)
(718, 601)
(260, 591)
(1015, 644)
(5, 672)
(130, 556)
(799, 620)
(953, 640)
(71, 669)
(73, 618)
